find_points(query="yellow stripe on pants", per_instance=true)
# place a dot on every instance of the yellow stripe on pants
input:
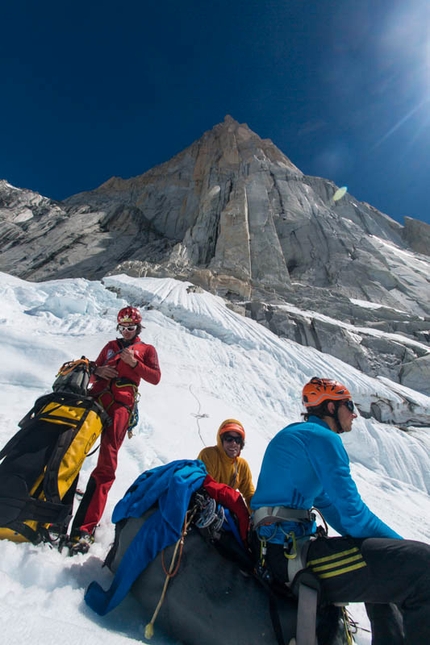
(338, 563)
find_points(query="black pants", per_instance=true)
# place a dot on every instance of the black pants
(378, 571)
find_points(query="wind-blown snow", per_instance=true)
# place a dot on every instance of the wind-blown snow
(215, 364)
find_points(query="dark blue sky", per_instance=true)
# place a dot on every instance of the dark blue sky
(94, 89)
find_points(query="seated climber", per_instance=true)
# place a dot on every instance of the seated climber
(223, 461)
(306, 467)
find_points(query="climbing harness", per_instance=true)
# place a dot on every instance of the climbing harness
(295, 548)
(275, 514)
(132, 410)
(301, 582)
(123, 382)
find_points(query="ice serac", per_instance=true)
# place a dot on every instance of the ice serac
(232, 214)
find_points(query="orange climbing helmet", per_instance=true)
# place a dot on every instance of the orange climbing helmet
(319, 390)
(232, 425)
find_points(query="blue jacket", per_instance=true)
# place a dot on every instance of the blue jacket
(306, 465)
(171, 486)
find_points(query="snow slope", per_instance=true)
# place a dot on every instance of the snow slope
(215, 364)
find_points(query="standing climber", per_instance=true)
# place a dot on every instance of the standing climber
(119, 368)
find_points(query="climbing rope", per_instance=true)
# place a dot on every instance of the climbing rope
(350, 626)
(173, 570)
(198, 416)
(210, 514)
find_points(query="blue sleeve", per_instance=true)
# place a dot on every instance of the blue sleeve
(341, 503)
(330, 513)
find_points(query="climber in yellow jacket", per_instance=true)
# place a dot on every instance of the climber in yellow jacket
(223, 461)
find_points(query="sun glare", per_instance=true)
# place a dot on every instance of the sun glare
(404, 56)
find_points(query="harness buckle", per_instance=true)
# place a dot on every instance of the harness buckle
(275, 514)
(298, 561)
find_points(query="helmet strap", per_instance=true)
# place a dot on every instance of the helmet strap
(339, 430)
(335, 417)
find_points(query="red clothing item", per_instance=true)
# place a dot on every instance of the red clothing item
(103, 476)
(117, 398)
(231, 499)
(147, 368)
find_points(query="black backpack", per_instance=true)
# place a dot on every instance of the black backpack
(74, 376)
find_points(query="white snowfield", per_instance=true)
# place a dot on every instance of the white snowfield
(215, 364)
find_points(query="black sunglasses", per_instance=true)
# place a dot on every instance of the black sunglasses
(349, 405)
(228, 438)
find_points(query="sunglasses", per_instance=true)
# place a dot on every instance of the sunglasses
(349, 405)
(127, 328)
(228, 438)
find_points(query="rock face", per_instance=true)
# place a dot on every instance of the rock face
(233, 215)
(417, 235)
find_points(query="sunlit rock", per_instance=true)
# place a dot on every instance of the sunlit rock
(233, 215)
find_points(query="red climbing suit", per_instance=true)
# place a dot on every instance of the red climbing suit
(117, 396)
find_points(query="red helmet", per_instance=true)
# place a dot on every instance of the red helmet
(129, 315)
(319, 390)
